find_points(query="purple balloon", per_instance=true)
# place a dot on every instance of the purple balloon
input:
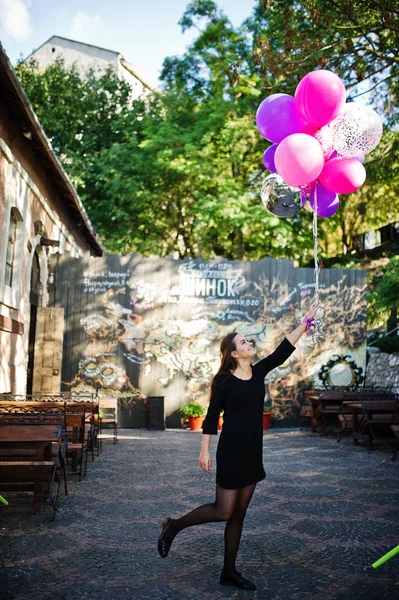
(327, 201)
(268, 158)
(277, 116)
(360, 158)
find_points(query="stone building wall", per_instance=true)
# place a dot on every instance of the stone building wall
(382, 370)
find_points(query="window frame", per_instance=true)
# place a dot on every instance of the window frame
(10, 288)
(11, 239)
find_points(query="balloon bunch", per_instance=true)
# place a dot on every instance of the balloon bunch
(319, 146)
(319, 142)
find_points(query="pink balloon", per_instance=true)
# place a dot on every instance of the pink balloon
(327, 201)
(299, 159)
(268, 158)
(319, 97)
(277, 116)
(343, 175)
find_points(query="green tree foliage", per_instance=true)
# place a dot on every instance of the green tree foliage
(79, 115)
(181, 169)
(358, 40)
(383, 298)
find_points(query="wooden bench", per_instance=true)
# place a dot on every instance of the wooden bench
(39, 476)
(19, 406)
(56, 404)
(378, 417)
(14, 415)
(76, 431)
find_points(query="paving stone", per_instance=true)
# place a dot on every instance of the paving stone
(325, 512)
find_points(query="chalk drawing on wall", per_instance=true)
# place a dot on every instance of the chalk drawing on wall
(172, 329)
(99, 373)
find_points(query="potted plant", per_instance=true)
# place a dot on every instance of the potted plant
(195, 413)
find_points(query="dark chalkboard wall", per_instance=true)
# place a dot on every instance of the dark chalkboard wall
(152, 326)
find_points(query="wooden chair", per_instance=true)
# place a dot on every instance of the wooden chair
(90, 409)
(77, 446)
(307, 408)
(108, 416)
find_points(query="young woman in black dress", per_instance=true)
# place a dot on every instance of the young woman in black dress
(239, 390)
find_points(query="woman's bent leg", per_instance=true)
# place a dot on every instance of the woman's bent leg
(233, 530)
(220, 510)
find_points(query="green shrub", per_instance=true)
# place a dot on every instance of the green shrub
(193, 409)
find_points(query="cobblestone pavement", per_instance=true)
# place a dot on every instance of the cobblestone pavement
(325, 512)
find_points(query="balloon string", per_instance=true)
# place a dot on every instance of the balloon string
(316, 259)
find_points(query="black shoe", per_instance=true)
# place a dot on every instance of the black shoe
(237, 581)
(163, 543)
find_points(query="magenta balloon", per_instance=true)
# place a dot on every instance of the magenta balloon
(327, 201)
(299, 159)
(319, 97)
(343, 175)
(268, 158)
(277, 116)
(309, 129)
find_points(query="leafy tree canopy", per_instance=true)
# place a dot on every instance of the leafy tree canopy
(181, 169)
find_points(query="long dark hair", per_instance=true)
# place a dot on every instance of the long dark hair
(227, 362)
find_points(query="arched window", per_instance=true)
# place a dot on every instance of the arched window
(11, 248)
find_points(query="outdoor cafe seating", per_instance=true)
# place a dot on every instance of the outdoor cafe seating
(40, 436)
(369, 416)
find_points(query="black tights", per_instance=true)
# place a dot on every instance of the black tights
(230, 506)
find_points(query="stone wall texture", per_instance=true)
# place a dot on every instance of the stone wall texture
(382, 370)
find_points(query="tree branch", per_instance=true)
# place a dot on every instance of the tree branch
(374, 86)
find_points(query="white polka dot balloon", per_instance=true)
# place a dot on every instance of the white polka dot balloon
(325, 139)
(356, 130)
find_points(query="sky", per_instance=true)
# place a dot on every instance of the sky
(144, 31)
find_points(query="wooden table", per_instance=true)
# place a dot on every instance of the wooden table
(37, 437)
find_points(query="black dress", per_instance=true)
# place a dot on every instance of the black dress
(239, 452)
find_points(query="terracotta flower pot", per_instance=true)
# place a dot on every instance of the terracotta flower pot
(220, 423)
(266, 419)
(195, 423)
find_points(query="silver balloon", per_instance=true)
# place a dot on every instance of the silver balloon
(281, 199)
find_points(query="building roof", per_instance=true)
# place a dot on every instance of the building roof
(60, 37)
(122, 60)
(17, 101)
